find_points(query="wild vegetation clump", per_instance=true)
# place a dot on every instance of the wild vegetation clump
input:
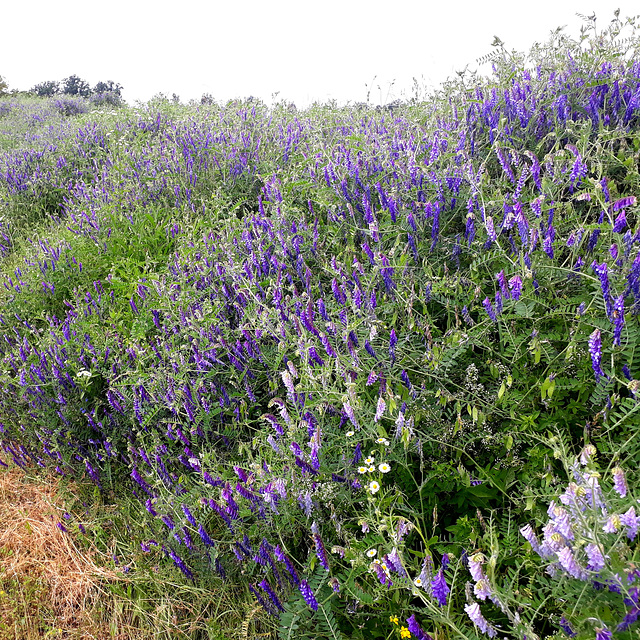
(360, 373)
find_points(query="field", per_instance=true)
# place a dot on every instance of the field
(340, 372)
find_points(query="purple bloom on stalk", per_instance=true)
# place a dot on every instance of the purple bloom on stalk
(393, 341)
(320, 550)
(566, 627)
(467, 316)
(595, 349)
(475, 615)
(416, 631)
(629, 201)
(380, 409)
(603, 634)
(202, 532)
(307, 594)
(272, 596)
(489, 309)
(595, 558)
(602, 271)
(618, 319)
(439, 588)
(629, 619)
(569, 564)
(620, 222)
(619, 482)
(630, 521)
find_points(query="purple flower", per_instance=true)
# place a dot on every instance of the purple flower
(603, 634)
(307, 594)
(489, 309)
(618, 319)
(594, 555)
(475, 615)
(272, 596)
(569, 564)
(620, 222)
(439, 588)
(393, 341)
(619, 482)
(566, 627)
(320, 550)
(595, 349)
(629, 201)
(630, 521)
(416, 631)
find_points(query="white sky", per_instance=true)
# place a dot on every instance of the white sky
(304, 50)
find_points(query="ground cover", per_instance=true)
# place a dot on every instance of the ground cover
(341, 372)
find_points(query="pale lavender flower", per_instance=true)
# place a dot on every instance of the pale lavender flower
(475, 566)
(380, 409)
(612, 524)
(630, 521)
(475, 615)
(569, 564)
(482, 589)
(348, 409)
(595, 557)
(530, 536)
(619, 482)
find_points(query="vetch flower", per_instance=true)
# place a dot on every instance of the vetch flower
(380, 409)
(619, 482)
(439, 588)
(595, 558)
(630, 521)
(475, 615)
(307, 594)
(415, 629)
(595, 349)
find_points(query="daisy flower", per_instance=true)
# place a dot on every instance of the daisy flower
(372, 468)
(374, 487)
(383, 441)
(350, 433)
(383, 467)
(369, 460)
(418, 582)
(372, 552)
(362, 469)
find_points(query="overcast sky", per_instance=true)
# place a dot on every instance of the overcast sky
(302, 50)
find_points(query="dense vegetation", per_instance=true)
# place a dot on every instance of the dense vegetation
(373, 369)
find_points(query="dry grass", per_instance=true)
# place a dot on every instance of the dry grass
(48, 586)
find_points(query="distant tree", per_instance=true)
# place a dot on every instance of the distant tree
(75, 86)
(47, 88)
(108, 87)
(3, 86)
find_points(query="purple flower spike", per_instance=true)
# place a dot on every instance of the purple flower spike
(475, 615)
(439, 588)
(595, 349)
(566, 627)
(416, 631)
(308, 596)
(619, 482)
(603, 634)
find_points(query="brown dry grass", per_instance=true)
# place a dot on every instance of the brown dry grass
(48, 586)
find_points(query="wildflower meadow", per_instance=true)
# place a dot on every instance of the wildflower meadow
(353, 372)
